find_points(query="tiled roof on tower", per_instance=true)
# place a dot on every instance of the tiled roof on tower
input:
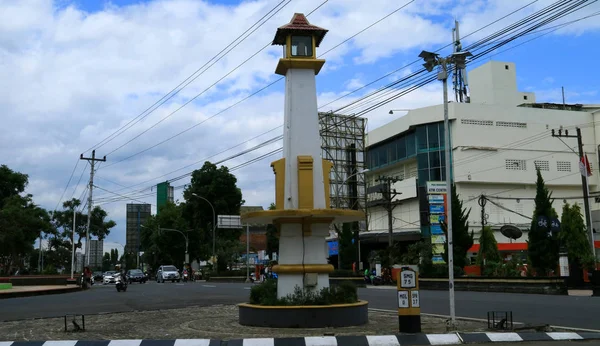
(299, 25)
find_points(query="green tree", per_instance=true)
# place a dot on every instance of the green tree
(21, 220)
(574, 236)
(462, 239)
(106, 263)
(542, 246)
(272, 238)
(488, 247)
(167, 247)
(346, 248)
(218, 186)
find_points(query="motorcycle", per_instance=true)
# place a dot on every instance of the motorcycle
(121, 283)
(185, 276)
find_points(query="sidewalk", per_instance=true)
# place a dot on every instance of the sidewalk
(28, 291)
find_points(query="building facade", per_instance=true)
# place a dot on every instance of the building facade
(136, 215)
(96, 253)
(497, 141)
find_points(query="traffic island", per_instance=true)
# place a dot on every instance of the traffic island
(307, 316)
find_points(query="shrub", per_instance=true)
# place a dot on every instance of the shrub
(266, 294)
(340, 273)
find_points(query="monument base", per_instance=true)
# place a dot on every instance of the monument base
(304, 316)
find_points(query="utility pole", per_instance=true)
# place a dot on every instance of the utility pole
(389, 205)
(92, 160)
(73, 241)
(584, 180)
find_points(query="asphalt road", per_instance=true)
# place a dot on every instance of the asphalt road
(570, 311)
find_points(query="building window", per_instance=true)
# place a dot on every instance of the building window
(302, 46)
(477, 122)
(524, 97)
(563, 166)
(542, 165)
(506, 67)
(518, 165)
(511, 124)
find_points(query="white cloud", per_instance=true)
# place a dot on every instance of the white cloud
(73, 78)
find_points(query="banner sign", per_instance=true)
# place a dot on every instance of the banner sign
(436, 187)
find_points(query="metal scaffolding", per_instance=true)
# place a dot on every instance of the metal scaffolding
(343, 143)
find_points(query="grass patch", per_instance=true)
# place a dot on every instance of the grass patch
(266, 294)
(5, 286)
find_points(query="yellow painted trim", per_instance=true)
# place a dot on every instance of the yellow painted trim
(288, 48)
(288, 307)
(267, 216)
(327, 167)
(279, 170)
(299, 268)
(409, 311)
(305, 182)
(310, 64)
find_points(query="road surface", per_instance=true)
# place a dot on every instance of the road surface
(569, 311)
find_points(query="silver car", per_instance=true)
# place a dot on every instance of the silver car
(109, 277)
(167, 273)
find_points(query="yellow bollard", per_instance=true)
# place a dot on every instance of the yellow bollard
(409, 306)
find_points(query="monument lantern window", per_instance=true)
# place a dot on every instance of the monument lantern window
(302, 46)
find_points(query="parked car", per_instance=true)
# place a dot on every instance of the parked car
(109, 277)
(167, 273)
(136, 275)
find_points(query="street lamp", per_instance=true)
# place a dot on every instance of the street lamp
(214, 222)
(399, 110)
(432, 60)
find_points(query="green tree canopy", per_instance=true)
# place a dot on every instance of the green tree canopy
(21, 220)
(542, 246)
(462, 239)
(272, 238)
(488, 247)
(219, 187)
(574, 236)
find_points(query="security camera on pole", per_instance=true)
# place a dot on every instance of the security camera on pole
(432, 60)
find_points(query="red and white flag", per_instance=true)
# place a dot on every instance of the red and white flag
(584, 166)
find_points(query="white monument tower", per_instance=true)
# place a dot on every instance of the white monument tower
(303, 213)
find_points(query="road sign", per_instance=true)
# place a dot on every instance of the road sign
(436, 187)
(403, 299)
(414, 299)
(229, 221)
(408, 279)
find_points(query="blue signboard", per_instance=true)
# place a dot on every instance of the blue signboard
(436, 229)
(436, 199)
(436, 209)
(332, 246)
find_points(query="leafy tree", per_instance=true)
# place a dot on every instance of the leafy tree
(218, 186)
(346, 248)
(114, 256)
(21, 221)
(167, 247)
(574, 236)
(462, 239)
(272, 238)
(106, 262)
(542, 246)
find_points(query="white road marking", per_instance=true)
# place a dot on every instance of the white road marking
(443, 339)
(247, 288)
(209, 286)
(60, 343)
(565, 336)
(320, 341)
(505, 337)
(192, 342)
(125, 343)
(259, 342)
(382, 340)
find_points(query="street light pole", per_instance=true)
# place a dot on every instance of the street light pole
(187, 255)
(214, 222)
(459, 60)
(247, 252)
(73, 242)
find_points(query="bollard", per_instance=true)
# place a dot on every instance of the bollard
(409, 306)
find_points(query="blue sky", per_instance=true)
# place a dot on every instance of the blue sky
(81, 69)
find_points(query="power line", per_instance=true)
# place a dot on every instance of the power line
(66, 187)
(188, 80)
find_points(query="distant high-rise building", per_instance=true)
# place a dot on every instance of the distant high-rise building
(96, 253)
(164, 193)
(136, 215)
(79, 259)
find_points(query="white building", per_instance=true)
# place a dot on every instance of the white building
(79, 261)
(96, 253)
(497, 141)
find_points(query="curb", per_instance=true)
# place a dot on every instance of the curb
(413, 339)
(39, 293)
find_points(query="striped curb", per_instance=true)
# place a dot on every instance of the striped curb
(368, 340)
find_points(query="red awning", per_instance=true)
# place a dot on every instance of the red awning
(504, 247)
